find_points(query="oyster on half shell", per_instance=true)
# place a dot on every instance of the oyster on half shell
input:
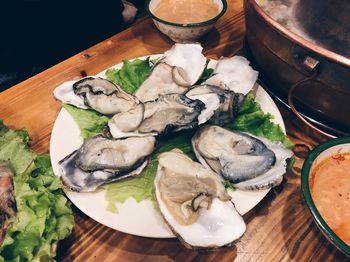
(179, 68)
(171, 112)
(195, 204)
(247, 161)
(97, 93)
(221, 106)
(100, 160)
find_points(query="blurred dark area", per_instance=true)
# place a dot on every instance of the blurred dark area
(38, 34)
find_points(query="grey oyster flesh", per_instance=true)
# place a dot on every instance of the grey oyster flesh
(221, 106)
(171, 112)
(100, 160)
(159, 82)
(248, 162)
(7, 197)
(103, 96)
(179, 68)
(195, 204)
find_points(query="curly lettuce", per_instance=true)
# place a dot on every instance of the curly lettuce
(44, 215)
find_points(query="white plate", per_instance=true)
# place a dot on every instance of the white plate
(137, 218)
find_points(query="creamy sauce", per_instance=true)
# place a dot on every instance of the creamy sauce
(330, 190)
(186, 11)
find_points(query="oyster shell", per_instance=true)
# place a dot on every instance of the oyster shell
(235, 74)
(179, 68)
(97, 93)
(171, 112)
(100, 160)
(247, 161)
(195, 204)
(221, 106)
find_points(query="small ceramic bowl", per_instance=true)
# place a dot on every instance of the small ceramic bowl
(321, 152)
(184, 33)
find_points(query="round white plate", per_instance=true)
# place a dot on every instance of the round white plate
(134, 218)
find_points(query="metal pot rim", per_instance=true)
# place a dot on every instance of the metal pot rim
(298, 39)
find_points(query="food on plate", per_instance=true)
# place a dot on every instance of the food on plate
(101, 160)
(330, 191)
(186, 12)
(171, 112)
(221, 105)
(195, 204)
(7, 198)
(235, 74)
(97, 93)
(248, 162)
(191, 106)
(179, 68)
(35, 214)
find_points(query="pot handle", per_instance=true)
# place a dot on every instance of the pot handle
(310, 64)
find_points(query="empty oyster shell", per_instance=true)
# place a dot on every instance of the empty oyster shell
(235, 74)
(171, 112)
(179, 68)
(195, 204)
(100, 160)
(247, 161)
(97, 93)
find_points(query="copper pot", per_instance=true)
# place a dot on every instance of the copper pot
(316, 79)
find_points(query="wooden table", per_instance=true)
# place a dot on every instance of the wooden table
(279, 228)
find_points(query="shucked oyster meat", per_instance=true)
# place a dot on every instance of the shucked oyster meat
(171, 112)
(100, 160)
(97, 93)
(195, 204)
(247, 161)
(221, 106)
(179, 68)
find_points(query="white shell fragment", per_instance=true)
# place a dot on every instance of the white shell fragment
(195, 204)
(234, 74)
(245, 160)
(179, 68)
(65, 94)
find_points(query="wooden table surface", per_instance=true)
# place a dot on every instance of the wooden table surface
(279, 228)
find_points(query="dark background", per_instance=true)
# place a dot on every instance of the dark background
(37, 34)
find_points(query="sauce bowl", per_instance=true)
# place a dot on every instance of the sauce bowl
(184, 33)
(321, 152)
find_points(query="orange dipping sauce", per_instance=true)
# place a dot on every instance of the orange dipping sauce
(186, 11)
(330, 190)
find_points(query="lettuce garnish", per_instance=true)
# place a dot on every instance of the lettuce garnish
(43, 214)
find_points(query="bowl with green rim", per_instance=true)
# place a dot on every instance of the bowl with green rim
(184, 33)
(319, 153)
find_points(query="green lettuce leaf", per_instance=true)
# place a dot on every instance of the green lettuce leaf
(90, 122)
(14, 148)
(253, 120)
(131, 75)
(43, 214)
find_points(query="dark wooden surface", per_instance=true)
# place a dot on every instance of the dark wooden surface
(280, 228)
